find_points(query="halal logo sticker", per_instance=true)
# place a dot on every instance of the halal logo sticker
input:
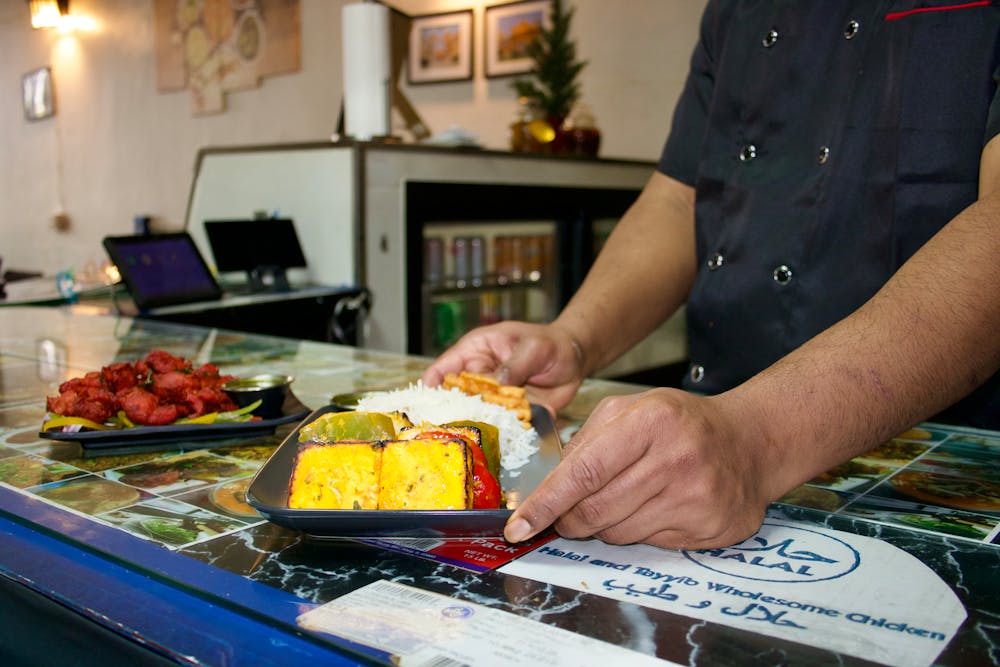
(784, 554)
(456, 612)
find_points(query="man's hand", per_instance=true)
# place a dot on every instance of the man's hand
(662, 467)
(542, 357)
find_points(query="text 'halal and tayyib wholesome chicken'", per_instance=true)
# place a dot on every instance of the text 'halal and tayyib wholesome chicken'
(405, 459)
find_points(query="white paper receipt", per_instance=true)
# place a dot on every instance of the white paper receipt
(422, 628)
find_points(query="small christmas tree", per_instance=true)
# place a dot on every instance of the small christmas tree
(552, 80)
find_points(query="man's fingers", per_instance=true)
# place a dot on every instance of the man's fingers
(434, 374)
(587, 469)
(526, 359)
(473, 352)
(518, 529)
(666, 518)
(543, 505)
(688, 539)
(624, 496)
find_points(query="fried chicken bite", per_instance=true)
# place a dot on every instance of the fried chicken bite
(174, 386)
(143, 407)
(118, 376)
(154, 391)
(93, 403)
(161, 361)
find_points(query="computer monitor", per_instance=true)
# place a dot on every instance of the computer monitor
(162, 269)
(264, 248)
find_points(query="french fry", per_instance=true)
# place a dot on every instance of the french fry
(490, 390)
(508, 390)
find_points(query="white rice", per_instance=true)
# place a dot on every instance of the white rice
(440, 406)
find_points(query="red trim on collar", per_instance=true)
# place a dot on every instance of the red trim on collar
(892, 16)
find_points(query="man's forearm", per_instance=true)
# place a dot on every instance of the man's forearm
(925, 340)
(642, 275)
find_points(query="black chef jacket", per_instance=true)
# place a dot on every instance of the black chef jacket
(827, 140)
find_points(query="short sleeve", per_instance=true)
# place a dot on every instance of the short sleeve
(993, 118)
(682, 150)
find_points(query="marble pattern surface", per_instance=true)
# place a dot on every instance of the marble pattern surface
(318, 571)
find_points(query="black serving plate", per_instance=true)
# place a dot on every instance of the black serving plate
(268, 494)
(292, 410)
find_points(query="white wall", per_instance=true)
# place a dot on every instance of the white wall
(117, 147)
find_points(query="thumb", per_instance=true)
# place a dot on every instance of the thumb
(527, 359)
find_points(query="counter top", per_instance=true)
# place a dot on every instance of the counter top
(235, 587)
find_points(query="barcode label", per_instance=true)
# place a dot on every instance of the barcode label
(419, 596)
(417, 543)
(442, 661)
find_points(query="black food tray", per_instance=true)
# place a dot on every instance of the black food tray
(292, 410)
(268, 494)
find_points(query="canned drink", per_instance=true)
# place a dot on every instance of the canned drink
(471, 313)
(433, 259)
(536, 305)
(533, 257)
(477, 259)
(512, 304)
(461, 259)
(449, 322)
(516, 265)
(501, 258)
(489, 308)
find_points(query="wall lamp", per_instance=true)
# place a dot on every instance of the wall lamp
(47, 13)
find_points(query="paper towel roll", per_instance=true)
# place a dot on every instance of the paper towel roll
(366, 70)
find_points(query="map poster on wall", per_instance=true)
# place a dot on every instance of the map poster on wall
(211, 47)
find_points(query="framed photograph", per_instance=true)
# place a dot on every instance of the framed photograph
(509, 29)
(440, 48)
(37, 94)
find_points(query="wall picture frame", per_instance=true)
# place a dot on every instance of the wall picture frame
(38, 94)
(508, 30)
(440, 48)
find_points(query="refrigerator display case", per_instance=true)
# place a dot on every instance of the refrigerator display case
(444, 238)
(493, 252)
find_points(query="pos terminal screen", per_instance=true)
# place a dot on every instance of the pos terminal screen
(162, 269)
(247, 245)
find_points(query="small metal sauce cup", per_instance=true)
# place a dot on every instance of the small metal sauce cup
(270, 389)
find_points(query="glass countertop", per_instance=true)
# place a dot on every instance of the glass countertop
(188, 545)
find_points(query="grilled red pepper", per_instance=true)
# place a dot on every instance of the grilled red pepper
(485, 488)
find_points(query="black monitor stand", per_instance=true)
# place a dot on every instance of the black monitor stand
(268, 278)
